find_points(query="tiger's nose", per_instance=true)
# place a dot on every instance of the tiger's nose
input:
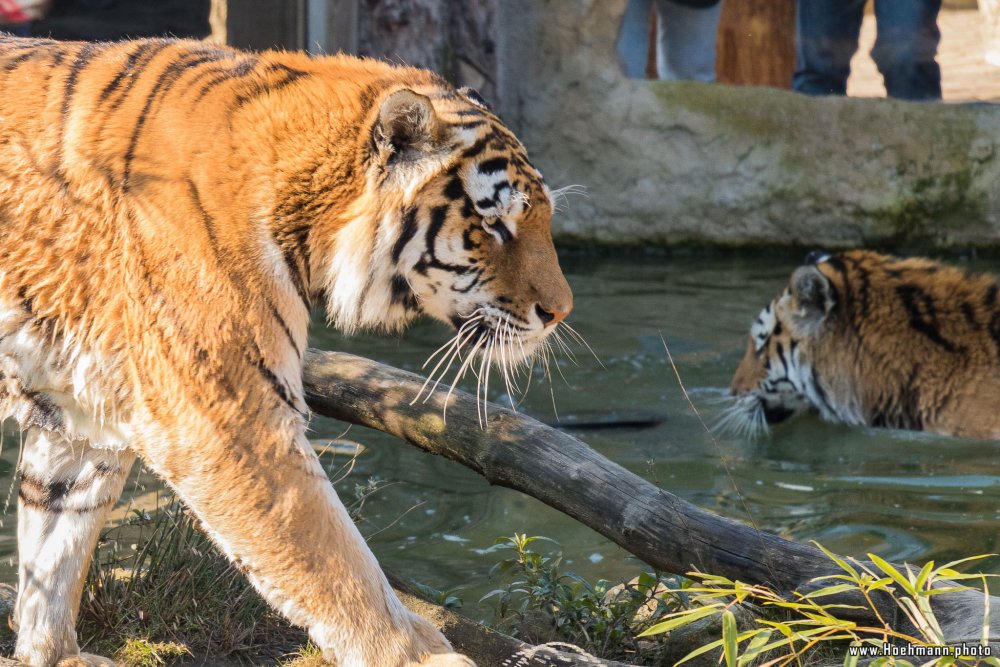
(553, 317)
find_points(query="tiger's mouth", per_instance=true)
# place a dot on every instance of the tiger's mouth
(489, 338)
(751, 414)
(497, 334)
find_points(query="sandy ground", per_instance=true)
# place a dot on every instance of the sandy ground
(965, 74)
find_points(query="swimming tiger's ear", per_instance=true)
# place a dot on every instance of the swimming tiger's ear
(814, 295)
(407, 127)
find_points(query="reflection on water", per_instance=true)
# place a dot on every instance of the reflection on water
(900, 495)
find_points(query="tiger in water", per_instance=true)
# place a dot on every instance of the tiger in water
(169, 212)
(869, 339)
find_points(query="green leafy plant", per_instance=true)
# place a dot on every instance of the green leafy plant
(794, 628)
(542, 603)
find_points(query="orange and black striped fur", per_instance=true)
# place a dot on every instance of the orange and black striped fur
(169, 211)
(868, 339)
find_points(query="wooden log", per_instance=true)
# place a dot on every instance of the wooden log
(756, 43)
(518, 452)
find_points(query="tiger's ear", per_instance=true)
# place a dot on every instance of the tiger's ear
(814, 295)
(407, 128)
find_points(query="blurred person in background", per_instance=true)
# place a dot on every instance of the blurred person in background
(685, 38)
(905, 46)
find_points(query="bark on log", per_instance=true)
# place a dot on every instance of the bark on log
(520, 453)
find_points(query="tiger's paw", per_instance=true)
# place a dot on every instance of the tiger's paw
(86, 660)
(445, 660)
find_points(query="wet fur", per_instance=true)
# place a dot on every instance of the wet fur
(169, 211)
(869, 339)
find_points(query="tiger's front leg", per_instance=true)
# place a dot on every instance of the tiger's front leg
(263, 497)
(67, 489)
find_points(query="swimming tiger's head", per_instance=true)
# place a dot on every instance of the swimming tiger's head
(452, 221)
(863, 338)
(776, 377)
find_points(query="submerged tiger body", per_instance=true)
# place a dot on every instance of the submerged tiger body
(868, 339)
(169, 211)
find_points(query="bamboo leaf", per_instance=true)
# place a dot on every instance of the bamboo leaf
(681, 619)
(841, 563)
(729, 638)
(756, 645)
(888, 569)
(830, 590)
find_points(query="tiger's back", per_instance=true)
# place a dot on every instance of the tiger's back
(869, 339)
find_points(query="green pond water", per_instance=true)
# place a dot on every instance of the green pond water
(903, 496)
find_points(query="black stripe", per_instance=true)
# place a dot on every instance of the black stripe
(135, 76)
(40, 498)
(970, 315)
(17, 61)
(406, 234)
(298, 282)
(238, 71)
(454, 190)
(429, 260)
(502, 230)
(167, 78)
(142, 48)
(493, 166)
(990, 298)
(402, 294)
(923, 315)
(237, 281)
(438, 216)
(476, 148)
(85, 55)
(276, 384)
(290, 76)
(467, 243)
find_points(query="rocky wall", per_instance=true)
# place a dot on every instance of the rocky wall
(677, 162)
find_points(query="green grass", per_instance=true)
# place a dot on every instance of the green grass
(158, 590)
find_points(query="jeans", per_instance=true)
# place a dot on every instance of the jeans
(685, 40)
(904, 49)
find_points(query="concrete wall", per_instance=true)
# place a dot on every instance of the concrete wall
(669, 163)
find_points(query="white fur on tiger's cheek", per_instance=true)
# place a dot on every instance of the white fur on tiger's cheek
(492, 194)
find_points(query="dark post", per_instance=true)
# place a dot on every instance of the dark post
(756, 43)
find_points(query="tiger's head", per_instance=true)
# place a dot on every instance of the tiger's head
(451, 221)
(777, 378)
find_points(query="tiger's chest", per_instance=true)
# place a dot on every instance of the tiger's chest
(50, 383)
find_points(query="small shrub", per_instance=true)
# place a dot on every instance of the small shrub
(544, 604)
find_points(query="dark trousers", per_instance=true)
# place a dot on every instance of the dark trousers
(904, 50)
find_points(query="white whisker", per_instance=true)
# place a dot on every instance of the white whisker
(454, 346)
(580, 339)
(460, 373)
(451, 359)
